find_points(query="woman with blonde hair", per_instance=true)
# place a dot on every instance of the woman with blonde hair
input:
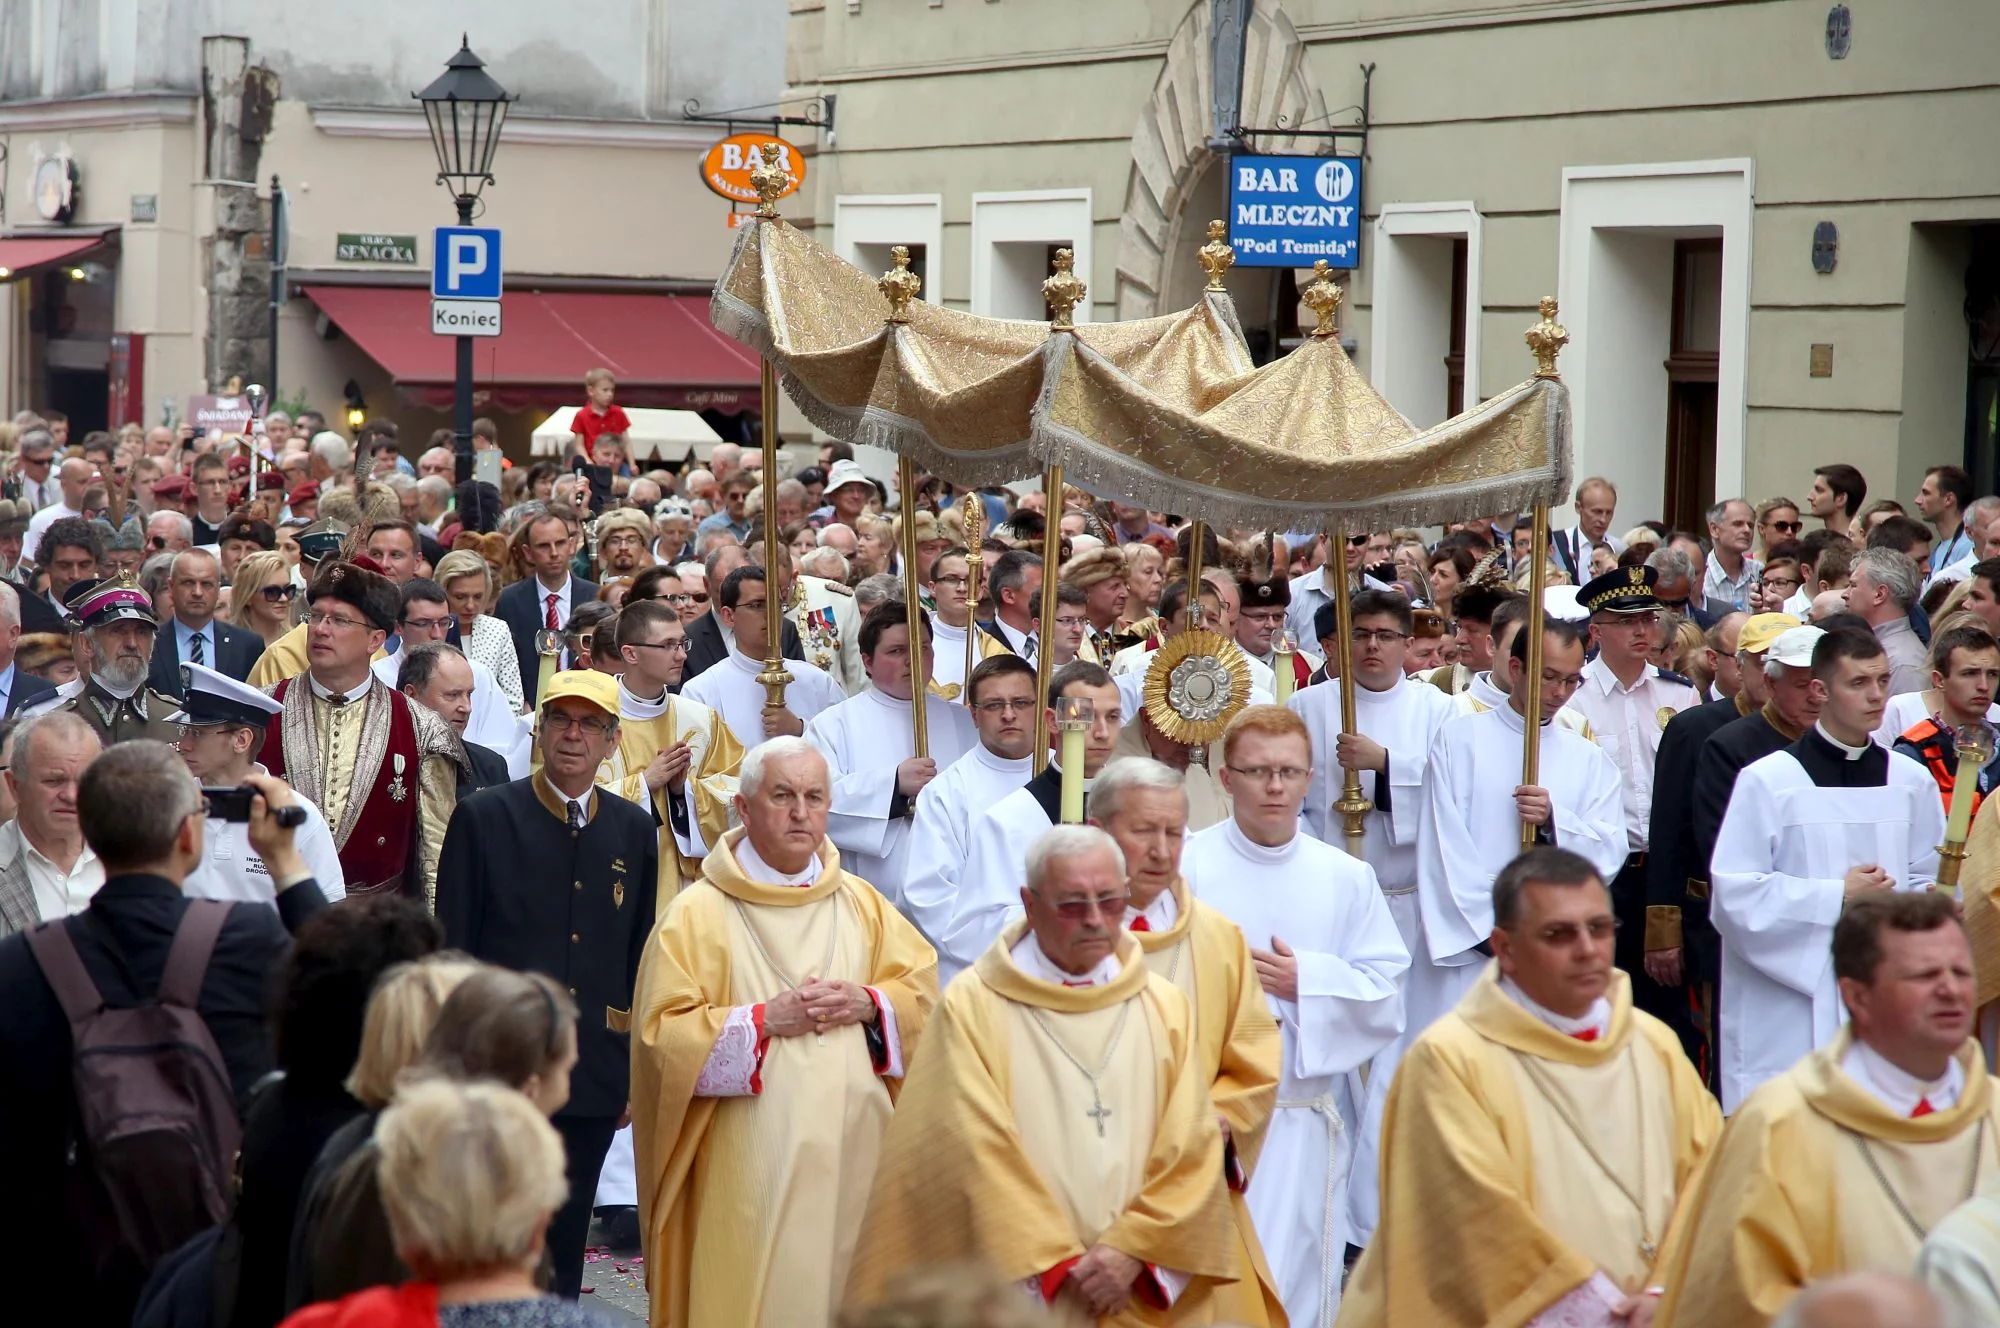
(471, 1175)
(260, 596)
(516, 1028)
(1145, 577)
(468, 582)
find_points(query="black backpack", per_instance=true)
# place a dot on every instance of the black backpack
(156, 1127)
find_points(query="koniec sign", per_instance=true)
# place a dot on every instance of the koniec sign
(1291, 211)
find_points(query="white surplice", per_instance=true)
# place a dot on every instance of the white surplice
(991, 878)
(941, 840)
(1481, 695)
(1405, 720)
(1777, 882)
(1470, 830)
(1328, 908)
(947, 654)
(730, 688)
(864, 739)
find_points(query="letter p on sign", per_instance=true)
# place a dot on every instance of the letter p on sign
(465, 263)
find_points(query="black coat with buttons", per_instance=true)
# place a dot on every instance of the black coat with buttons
(519, 888)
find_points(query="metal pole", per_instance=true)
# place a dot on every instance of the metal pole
(974, 512)
(461, 427)
(277, 291)
(920, 676)
(1052, 487)
(1531, 704)
(1352, 806)
(775, 676)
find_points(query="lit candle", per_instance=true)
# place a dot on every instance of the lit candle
(1284, 651)
(1073, 719)
(548, 645)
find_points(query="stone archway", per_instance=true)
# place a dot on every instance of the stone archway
(1170, 153)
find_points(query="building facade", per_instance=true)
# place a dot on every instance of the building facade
(1772, 234)
(140, 139)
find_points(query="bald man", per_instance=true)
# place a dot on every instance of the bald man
(1864, 1300)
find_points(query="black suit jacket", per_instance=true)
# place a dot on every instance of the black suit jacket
(520, 607)
(706, 648)
(237, 651)
(27, 687)
(489, 768)
(588, 936)
(123, 938)
(37, 614)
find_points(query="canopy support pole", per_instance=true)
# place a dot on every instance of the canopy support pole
(1352, 806)
(920, 674)
(1531, 703)
(1052, 491)
(775, 676)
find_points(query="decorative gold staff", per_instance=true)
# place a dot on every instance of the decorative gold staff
(1064, 290)
(771, 180)
(1546, 339)
(901, 286)
(1974, 743)
(974, 512)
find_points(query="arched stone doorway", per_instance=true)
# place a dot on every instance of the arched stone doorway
(1177, 184)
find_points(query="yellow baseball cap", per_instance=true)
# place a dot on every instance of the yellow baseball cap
(599, 689)
(1761, 629)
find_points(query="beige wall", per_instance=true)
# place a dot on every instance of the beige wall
(1490, 101)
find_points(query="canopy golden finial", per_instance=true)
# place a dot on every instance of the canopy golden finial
(1323, 297)
(900, 284)
(1546, 339)
(1217, 256)
(770, 179)
(1064, 291)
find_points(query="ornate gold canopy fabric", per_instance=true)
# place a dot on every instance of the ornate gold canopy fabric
(1166, 412)
(954, 391)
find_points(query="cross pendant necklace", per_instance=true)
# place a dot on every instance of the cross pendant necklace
(1098, 1112)
(826, 965)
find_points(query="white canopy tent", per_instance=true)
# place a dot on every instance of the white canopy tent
(667, 435)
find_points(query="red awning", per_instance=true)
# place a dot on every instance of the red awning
(661, 347)
(20, 255)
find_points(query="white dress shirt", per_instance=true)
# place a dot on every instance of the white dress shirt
(1898, 1089)
(1028, 957)
(1595, 1022)
(58, 894)
(1627, 723)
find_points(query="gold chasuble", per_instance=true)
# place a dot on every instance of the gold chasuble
(714, 757)
(1519, 1162)
(752, 1203)
(1238, 1050)
(1001, 1150)
(1816, 1176)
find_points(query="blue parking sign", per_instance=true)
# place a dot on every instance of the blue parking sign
(465, 263)
(1290, 211)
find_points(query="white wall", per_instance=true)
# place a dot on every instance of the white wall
(1010, 236)
(1410, 311)
(867, 226)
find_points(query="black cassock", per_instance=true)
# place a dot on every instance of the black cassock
(519, 887)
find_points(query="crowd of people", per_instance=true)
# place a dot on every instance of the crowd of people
(398, 874)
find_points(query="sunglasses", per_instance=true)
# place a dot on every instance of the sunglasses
(1787, 527)
(278, 594)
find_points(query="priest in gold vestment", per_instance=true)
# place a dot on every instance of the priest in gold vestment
(1057, 1125)
(1540, 1139)
(1142, 804)
(1846, 1161)
(674, 755)
(779, 1000)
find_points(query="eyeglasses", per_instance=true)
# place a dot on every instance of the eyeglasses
(1365, 636)
(561, 721)
(1561, 682)
(1072, 624)
(677, 646)
(959, 581)
(1005, 705)
(439, 625)
(1261, 774)
(276, 594)
(675, 599)
(1357, 541)
(333, 620)
(1103, 906)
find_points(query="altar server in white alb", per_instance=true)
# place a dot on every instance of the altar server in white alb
(1396, 719)
(730, 687)
(1330, 962)
(989, 894)
(1828, 819)
(870, 745)
(1001, 696)
(1474, 807)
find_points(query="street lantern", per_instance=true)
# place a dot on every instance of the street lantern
(465, 109)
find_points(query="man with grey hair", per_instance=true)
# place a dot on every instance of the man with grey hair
(1880, 590)
(332, 459)
(17, 686)
(826, 564)
(46, 870)
(433, 501)
(169, 532)
(841, 539)
(1103, 1172)
(1674, 584)
(36, 450)
(118, 622)
(877, 589)
(1730, 571)
(777, 996)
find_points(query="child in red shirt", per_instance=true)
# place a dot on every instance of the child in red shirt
(599, 416)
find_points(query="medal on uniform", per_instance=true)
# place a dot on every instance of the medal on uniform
(618, 894)
(1665, 715)
(396, 784)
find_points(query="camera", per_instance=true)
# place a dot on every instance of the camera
(233, 804)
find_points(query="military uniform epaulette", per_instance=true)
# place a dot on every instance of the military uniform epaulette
(838, 587)
(1669, 676)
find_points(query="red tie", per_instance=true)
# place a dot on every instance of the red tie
(1140, 924)
(550, 621)
(1084, 983)
(1587, 1035)
(1923, 1108)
